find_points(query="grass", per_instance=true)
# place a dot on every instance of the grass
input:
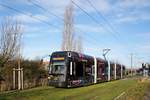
(103, 91)
(138, 91)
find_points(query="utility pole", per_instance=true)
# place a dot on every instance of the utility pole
(19, 74)
(115, 71)
(108, 69)
(105, 51)
(14, 78)
(131, 64)
(121, 70)
(22, 78)
(95, 70)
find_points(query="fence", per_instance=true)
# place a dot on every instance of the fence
(7, 86)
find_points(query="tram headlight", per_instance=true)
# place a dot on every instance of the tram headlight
(50, 77)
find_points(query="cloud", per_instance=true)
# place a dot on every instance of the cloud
(39, 51)
(127, 11)
(133, 17)
(38, 31)
(55, 6)
(120, 7)
(143, 53)
(134, 3)
(25, 19)
(119, 11)
(102, 5)
(34, 28)
(23, 2)
(91, 28)
(58, 6)
(127, 19)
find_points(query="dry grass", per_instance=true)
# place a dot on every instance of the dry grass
(138, 91)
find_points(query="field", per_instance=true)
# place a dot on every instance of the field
(129, 89)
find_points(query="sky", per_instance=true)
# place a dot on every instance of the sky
(121, 25)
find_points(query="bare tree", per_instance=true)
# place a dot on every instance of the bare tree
(10, 40)
(74, 45)
(79, 47)
(68, 32)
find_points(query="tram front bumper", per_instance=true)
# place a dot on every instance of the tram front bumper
(57, 83)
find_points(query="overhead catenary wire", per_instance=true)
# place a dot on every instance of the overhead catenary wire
(44, 9)
(90, 37)
(108, 23)
(35, 3)
(100, 24)
(26, 14)
(30, 16)
(94, 20)
(103, 17)
(116, 35)
(42, 21)
(113, 32)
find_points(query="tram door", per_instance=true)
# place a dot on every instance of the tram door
(80, 69)
(84, 68)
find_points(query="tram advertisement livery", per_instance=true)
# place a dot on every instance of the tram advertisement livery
(72, 69)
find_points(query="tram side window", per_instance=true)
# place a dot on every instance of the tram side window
(88, 70)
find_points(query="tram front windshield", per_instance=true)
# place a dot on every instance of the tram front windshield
(58, 68)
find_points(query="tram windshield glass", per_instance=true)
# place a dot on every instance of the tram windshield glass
(58, 68)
